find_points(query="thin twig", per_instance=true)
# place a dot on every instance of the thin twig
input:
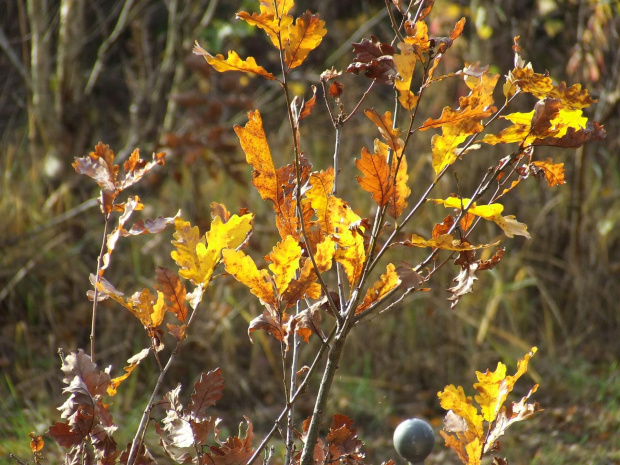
(97, 279)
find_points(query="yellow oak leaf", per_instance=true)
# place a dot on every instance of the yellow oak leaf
(386, 283)
(444, 242)
(444, 150)
(233, 63)
(491, 212)
(305, 285)
(405, 64)
(284, 262)
(351, 254)
(276, 27)
(453, 398)
(303, 37)
(244, 270)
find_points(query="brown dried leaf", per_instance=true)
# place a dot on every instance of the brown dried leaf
(374, 58)
(207, 391)
(174, 292)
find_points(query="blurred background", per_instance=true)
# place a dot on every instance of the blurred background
(76, 72)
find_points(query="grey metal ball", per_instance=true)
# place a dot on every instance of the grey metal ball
(414, 440)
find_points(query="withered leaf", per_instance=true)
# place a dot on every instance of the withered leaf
(374, 58)
(207, 391)
(174, 292)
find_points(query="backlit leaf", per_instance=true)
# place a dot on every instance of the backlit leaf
(244, 270)
(233, 63)
(257, 153)
(444, 242)
(388, 282)
(399, 195)
(303, 37)
(207, 391)
(405, 65)
(133, 363)
(275, 26)
(284, 262)
(384, 124)
(174, 292)
(376, 176)
(553, 172)
(491, 212)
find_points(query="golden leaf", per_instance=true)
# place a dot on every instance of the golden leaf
(401, 191)
(244, 270)
(303, 37)
(388, 281)
(285, 262)
(444, 242)
(233, 63)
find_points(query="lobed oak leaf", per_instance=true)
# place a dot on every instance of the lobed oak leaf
(174, 292)
(271, 322)
(388, 281)
(553, 172)
(401, 191)
(100, 166)
(305, 285)
(444, 150)
(417, 37)
(444, 242)
(275, 26)
(454, 398)
(254, 144)
(233, 63)
(244, 270)
(385, 125)
(79, 365)
(302, 38)
(64, 435)
(375, 59)
(207, 391)
(284, 260)
(405, 65)
(575, 138)
(517, 411)
(235, 450)
(491, 212)
(376, 176)
(343, 443)
(351, 253)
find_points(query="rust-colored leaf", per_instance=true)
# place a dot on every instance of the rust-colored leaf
(399, 195)
(174, 292)
(270, 322)
(207, 391)
(376, 176)
(374, 59)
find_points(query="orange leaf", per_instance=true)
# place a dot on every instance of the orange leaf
(384, 124)
(303, 37)
(401, 191)
(133, 363)
(275, 26)
(36, 442)
(233, 63)
(554, 172)
(376, 176)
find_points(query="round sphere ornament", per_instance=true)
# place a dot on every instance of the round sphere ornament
(414, 440)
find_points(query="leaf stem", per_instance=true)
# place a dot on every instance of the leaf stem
(140, 432)
(96, 295)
